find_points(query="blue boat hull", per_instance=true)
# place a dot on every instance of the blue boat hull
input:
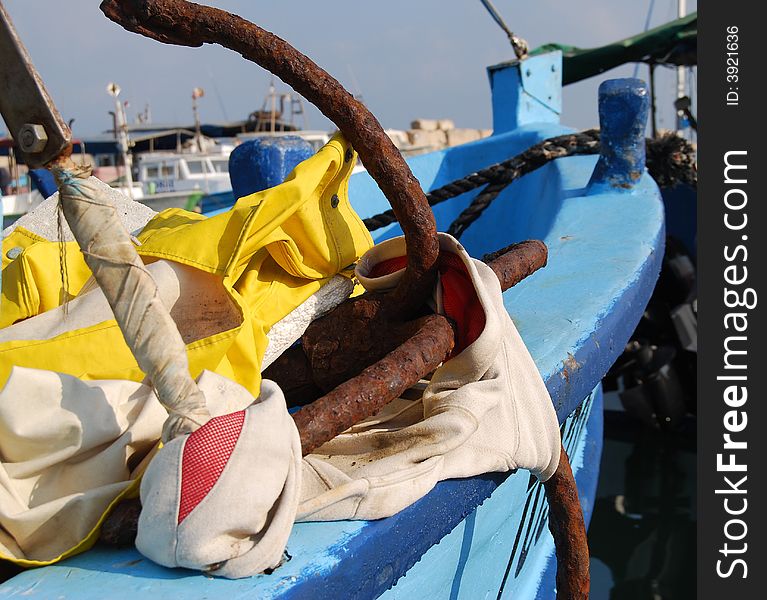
(503, 549)
(484, 536)
(575, 316)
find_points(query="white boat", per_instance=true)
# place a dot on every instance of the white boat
(16, 205)
(18, 195)
(317, 138)
(170, 179)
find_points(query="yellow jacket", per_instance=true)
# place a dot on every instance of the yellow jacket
(272, 250)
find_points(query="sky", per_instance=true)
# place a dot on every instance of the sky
(408, 59)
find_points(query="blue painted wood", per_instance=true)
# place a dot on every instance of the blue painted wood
(43, 181)
(264, 162)
(526, 91)
(575, 316)
(504, 546)
(214, 204)
(681, 204)
(587, 479)
(623, 109)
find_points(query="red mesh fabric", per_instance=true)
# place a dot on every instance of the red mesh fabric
(459, 297)
(388, 266)
(460, 301)
(205, 455)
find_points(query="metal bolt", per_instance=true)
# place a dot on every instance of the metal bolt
(14, 253)
(553, 69)
(348, 155)
(528, 72)
(334, 201)
(32, 138)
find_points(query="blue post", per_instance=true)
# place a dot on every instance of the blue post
(262, 163)
(526, 91)
(623, 109)
(44, 182)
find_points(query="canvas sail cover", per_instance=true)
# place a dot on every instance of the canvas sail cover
(674, 43)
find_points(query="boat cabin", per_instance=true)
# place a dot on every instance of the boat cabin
(167, 172)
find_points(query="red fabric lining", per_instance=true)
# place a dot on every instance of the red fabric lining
(459, 297)
(388, 266)
(460, 301)
(205, 455)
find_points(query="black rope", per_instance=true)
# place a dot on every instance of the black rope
(585, 142)
(472, 212)
(670, 160)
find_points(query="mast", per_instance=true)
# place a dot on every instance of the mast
(197, 93)
(121, 133)
(681, 77)
(273, 100)
(653, 107)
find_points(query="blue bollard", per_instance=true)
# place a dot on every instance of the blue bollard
(623, 108)
(264, 162)
(44, 182)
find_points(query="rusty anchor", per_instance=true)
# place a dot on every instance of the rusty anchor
(364, 383)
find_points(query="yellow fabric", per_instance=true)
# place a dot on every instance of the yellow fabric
(19, 238)
(272, 250)
(71, 450)
(32, 283)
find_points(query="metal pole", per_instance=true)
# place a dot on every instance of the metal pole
(121, 133)
(681, 76)
(274, 108)
(126, 156)
(196, 123)
(653, 119)
(197, 93)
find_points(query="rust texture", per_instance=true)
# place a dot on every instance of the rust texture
(329, 355)
(334, 355)
(292, 372)
(569, 531)
(367, 393)
(121, 525)
(188, 24)
(517, 261)
(431, 337)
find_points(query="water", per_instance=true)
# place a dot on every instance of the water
(643, 530)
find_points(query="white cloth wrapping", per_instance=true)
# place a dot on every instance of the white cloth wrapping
(226, 504)
(486, 409)
(69, 447)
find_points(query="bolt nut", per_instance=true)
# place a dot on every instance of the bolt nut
(32, 138)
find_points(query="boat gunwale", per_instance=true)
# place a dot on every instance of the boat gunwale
(371, 544)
